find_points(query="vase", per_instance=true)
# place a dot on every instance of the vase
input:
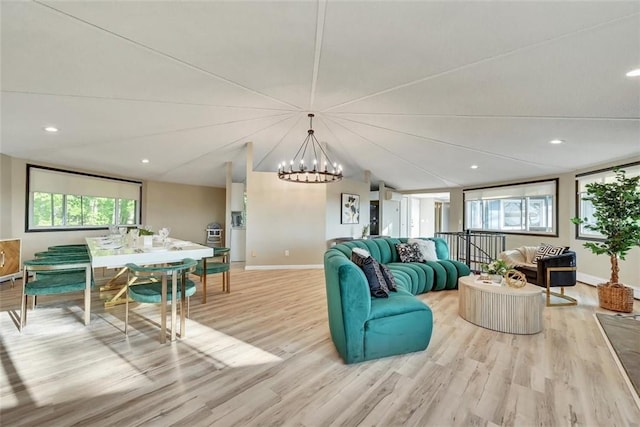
(496, 278)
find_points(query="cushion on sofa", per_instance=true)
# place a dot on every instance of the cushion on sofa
(372, 271)
(388, 278)
(409, 252)
(427, 248)
(545, 250)
(362, 252)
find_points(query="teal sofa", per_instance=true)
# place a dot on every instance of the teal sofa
(364, 328)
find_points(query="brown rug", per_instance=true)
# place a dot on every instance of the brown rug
(623, 333)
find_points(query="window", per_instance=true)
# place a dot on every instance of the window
(584, 208)
(63, 200)
(527, 208)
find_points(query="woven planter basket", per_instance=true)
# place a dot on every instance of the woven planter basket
(615, 297)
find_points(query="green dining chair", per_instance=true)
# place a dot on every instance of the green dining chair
(61, 258)
(215, 267)
(69, 248)
(53, 276)
(147, 283)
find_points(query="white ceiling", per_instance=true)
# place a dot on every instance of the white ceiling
(415, 92)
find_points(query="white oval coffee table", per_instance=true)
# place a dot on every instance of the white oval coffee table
(501, 308)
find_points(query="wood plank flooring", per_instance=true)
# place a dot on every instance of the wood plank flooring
(262, 356)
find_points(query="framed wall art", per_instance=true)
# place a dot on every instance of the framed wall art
(350, 208)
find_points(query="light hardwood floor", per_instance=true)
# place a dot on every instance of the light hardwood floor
(262, 355)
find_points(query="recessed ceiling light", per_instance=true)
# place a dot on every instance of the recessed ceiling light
(51, 129)
(556, 141)
(634, 73)
(474, 166)
(145, 161)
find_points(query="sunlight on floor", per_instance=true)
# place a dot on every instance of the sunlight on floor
(67, 350)
(224, 350)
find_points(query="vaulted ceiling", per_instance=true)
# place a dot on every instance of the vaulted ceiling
(415, 92)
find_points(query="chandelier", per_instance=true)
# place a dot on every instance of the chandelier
(305, 165)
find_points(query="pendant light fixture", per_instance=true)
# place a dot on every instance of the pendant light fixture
(306, 166)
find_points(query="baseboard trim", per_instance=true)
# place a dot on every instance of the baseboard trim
(594, 281)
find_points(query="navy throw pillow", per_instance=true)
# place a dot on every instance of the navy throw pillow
(388, 278)
(372, 271)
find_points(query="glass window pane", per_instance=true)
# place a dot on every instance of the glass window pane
(585, 208)
(492, 215)
(513, 214)
(517, 208)
(540, 214)
(42, 209)
(128, 209)
(97, 210)
(74, 210)
(587, 211)
(58, 210)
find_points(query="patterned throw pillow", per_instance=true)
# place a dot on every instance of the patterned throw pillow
(372, 271)
(389, 279)
(427, 249)
(545, 251)
(409, 252)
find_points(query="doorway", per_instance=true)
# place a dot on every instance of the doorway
(427, 214)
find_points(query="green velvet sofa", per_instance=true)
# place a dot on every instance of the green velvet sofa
(364, 328)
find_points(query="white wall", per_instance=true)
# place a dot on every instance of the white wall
(185, 209)
(5, 196)
(427, 216)
(284, 216)
(455, 211)
(334, 228)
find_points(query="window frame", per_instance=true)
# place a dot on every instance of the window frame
(578, 197)
(29, 204)
(526, 200)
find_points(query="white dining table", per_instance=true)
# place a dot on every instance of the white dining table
(114, 252)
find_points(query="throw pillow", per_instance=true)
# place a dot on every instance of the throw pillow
(362, 252)
(389, 279)
(409, 252)
(545, 251)
(372, 271)
(427, 249)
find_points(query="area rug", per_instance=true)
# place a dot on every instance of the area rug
(622, 333)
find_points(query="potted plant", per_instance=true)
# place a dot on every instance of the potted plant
(496, 269)
(617, 218)
(365, 231)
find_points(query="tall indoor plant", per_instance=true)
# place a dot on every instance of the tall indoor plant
(617, 218)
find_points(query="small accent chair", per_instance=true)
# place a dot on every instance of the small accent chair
(215, 267)
(549, 272)
(56, 275)
(151, 285)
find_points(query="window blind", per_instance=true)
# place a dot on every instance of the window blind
(59, 182)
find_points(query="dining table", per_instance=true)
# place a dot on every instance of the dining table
(117, 251)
